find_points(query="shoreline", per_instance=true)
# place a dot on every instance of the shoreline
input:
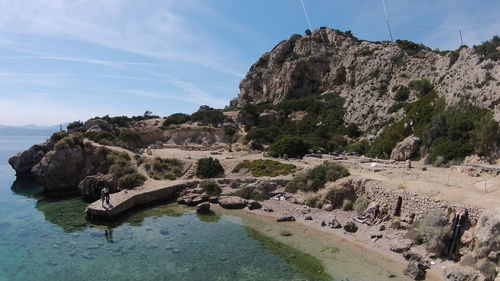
(358, 243)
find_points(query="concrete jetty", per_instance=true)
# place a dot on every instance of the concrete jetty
(125, 200)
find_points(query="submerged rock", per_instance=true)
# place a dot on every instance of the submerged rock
(232, 202)
(203, 208)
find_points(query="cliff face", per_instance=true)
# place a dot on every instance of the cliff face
(366, 74)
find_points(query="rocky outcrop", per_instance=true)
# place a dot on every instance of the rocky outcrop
(90, 186)
(24, 161)
(366, 74)
(415, 270)
(60, 170)
(406, 149)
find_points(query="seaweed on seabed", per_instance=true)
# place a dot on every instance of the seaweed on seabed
(307, 266)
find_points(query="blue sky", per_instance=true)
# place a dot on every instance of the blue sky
(65, 60)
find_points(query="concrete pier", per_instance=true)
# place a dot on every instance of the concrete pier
(126, 200)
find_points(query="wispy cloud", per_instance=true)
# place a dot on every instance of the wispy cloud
(151, 29)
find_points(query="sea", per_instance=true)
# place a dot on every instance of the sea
(47, 238)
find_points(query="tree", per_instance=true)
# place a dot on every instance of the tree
(147, 113)
(291, 146)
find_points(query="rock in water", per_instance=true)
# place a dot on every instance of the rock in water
(350, 227)
(203, 208)
(232, 202)
(415, 270)
(406, 149)
(24, 161)
(285, 218)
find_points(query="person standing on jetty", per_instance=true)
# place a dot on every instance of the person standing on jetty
(105, 195)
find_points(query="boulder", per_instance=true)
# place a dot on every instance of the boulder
(350, 227)
(269, 210)
(203, 208)
(24, 161)
(308, 218)
(406, 149)
(285, 218)
(90, 186)
(96, 124)
(415, 270)
(232, 202)
(400, 246)
(252, 204)
(192, 199)
(327, 207)
(460, 273)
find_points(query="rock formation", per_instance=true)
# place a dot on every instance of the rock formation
(367, 74)
(406, 149)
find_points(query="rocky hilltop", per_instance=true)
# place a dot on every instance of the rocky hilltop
(368, 74)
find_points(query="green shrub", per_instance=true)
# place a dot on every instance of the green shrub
(359, 148)
(265, 168)
(163, 168)
(69, 142)
(422, 86)
(208, 116)
(131, 180)
(316, 178)
(58, 136)
(229, 131)
(211, 188)
(361, 203)
(176, 119)
(313, 201)
(337, 195)
(347, 205)
(249, 192)
(353, 131)
(209, 168)
(76, 125)
(410, 47)
(129, 137)
(433, 230)
(100, 136)
(291, 146)
(402, 94)
(396, 107)
(489, 49)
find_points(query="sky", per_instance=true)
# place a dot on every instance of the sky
(68, 60)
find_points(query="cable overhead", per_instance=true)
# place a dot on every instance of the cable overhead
(305, 12)
(387, 20)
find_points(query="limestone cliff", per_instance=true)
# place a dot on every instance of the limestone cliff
(367, 74)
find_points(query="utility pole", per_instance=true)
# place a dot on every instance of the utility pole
(461, 39)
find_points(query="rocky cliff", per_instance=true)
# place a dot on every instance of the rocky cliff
(367, 74)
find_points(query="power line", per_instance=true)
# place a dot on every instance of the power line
(305, 12)
(387, 20)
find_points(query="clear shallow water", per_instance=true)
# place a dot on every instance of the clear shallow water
(50, 239)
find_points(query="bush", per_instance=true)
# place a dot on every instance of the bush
(347, 205)
(337, 195)
(353, 131)
(176, 119)
(410, 47)
(359, 148)
(163, 168)
(58, 136)
(313, 201)
(402, 94)
(69, 142)
(433, 230)
(396, 107)
(229, 131)
(101, 137)
(422, 86)
(265, 168)
(291, 146)
(132, 180)
(361, 203)
(208, 116)
(129, 137)
(489, 49)
(211, 187)
(316, 178)
(249, 192)
(209, 168)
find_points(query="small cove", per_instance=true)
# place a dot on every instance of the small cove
(50, 239)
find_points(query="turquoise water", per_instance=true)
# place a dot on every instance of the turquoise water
(50, 239)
